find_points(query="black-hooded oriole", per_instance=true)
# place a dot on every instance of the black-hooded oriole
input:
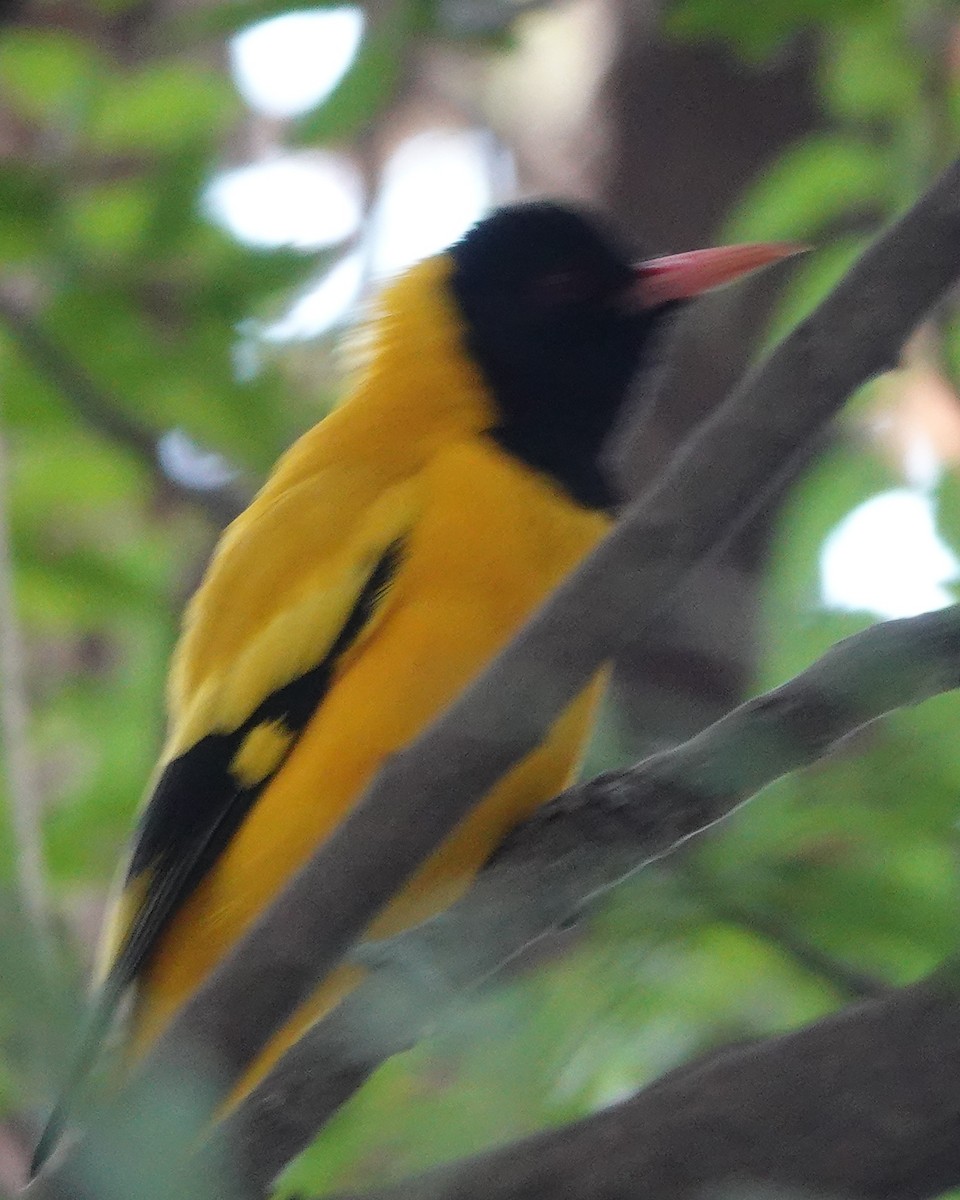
(395, 549)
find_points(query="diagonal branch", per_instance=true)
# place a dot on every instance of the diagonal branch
(719, 478)
(583, 842)
(847, 981)
(863, 1103)
(100, 413)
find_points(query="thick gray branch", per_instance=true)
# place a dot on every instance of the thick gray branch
(721, 476)
(581, 843)
(864, 1103)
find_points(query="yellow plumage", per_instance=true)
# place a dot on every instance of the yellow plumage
(484, 541)
(398, 546)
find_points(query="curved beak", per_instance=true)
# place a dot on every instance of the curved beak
(683, 276)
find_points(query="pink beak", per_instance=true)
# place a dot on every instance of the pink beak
(682, 276)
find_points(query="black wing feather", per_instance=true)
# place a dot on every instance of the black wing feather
(196, 808)
(197, 805)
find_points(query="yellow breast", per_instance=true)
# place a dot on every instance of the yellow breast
(491, 542)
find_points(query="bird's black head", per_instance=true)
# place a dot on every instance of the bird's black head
(547, 296)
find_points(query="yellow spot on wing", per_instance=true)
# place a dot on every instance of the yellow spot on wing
(261, 752)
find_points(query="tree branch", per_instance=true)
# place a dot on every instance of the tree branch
(584, 842)
(221, 504)
(863, 1103)
(849, 982)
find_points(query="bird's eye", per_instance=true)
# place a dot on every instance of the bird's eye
(558, 288)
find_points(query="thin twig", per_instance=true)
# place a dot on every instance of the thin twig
(848, 981)
(221, 504)
(23, 795)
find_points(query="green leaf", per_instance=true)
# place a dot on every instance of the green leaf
(228, 279)
(795, 629)
(110, 222)
(41, 1006)
(870, 72)
(756, 30)
(28, 203)
(83, 563)
(370, 81)
(177, 371)
(92, 476)
(162, 108)
(811, 186)
(47, 75)
(224, 19)
(950, 345)
(948, 510)
(814, 278)
(29, 399)
(177, 181)
(91, 823)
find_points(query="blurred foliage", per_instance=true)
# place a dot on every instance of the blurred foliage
(113, 131)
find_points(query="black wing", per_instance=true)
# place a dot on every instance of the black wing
(196, 807)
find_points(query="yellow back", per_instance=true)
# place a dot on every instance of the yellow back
(484, 540)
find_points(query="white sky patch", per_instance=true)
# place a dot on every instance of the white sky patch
(435, 186)
(305, 201)
(886, 557)
(290, 64)
(184, 461)
(323, 306)
(921, 462)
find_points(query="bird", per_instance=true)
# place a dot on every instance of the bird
(395, 549)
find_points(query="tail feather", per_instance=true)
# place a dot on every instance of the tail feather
(91, 1039)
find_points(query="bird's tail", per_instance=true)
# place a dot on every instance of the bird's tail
(91, 1038)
